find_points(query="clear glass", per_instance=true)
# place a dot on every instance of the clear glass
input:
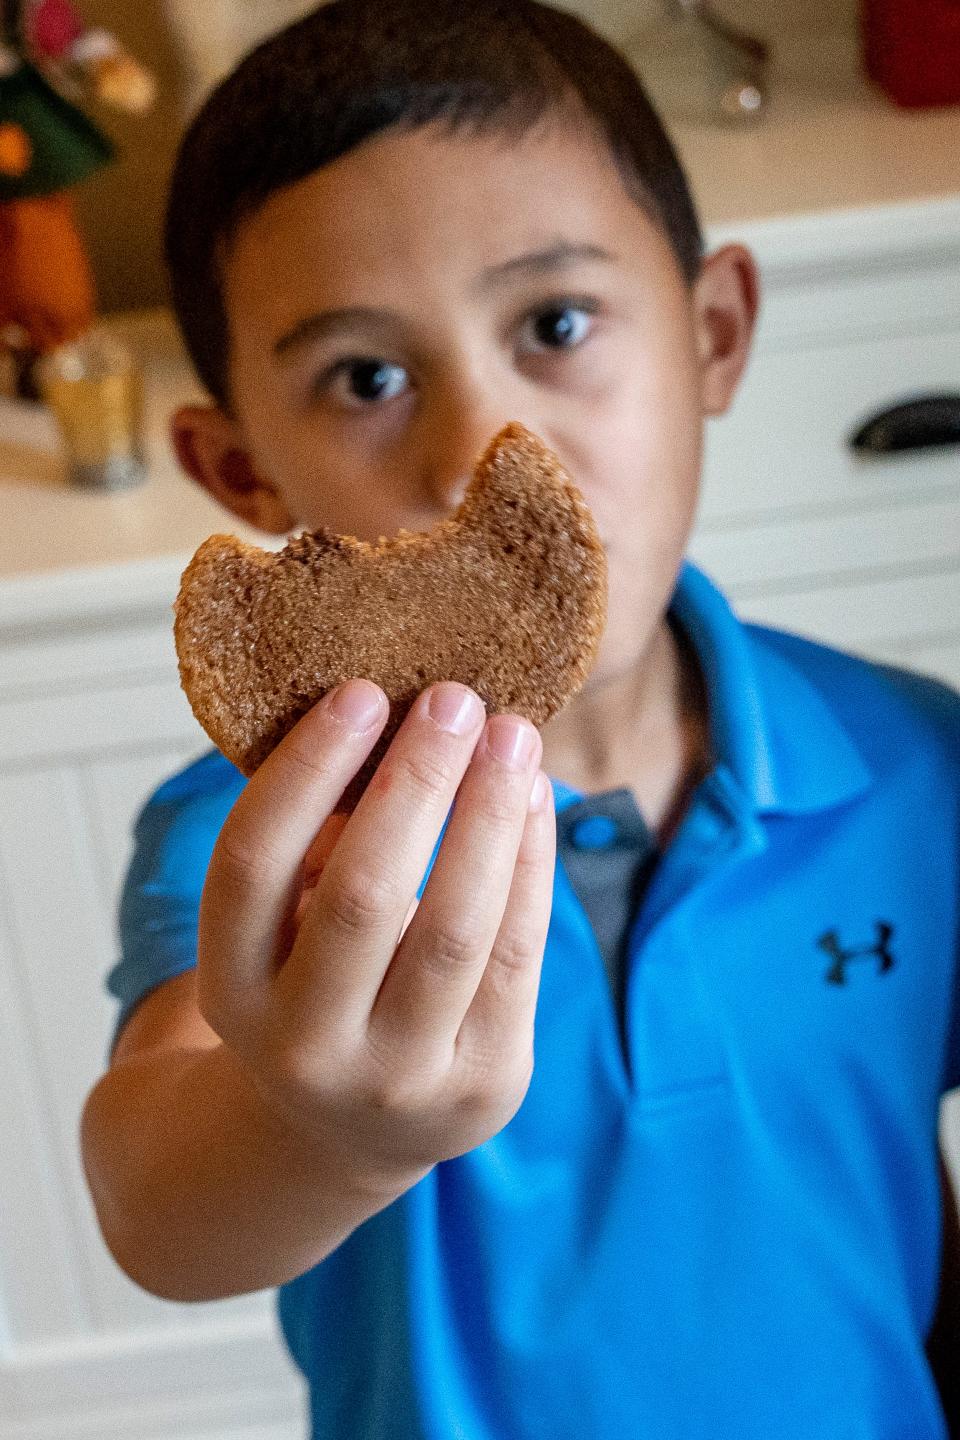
(698, 66)
(94, 386)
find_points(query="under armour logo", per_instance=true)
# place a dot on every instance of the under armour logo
(879, 950)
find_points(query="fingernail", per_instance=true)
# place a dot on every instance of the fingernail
(511, 741)
(454, 707)
(357, 704)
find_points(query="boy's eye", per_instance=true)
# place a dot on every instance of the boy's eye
(563, 325)
(365, 381)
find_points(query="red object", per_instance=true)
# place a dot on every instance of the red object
(52, 27)
(912, 49)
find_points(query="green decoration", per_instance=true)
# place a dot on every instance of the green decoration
(67, 147)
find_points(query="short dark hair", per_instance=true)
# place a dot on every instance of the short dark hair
(353, 68)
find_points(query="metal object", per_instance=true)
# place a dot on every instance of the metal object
(746, 94)
(94, 387)
(698, 65)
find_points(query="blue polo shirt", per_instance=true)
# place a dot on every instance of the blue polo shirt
(717, 1211)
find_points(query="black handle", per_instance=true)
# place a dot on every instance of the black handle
(914, 424)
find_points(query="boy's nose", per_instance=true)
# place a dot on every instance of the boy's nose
(445, 473)
(452, 454)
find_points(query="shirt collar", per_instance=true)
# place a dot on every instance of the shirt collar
(779, 747)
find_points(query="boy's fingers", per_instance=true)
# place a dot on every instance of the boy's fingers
(434, 976)
(256, 870)
(503, 1009)
(410, 914)
(353, 922)
(313, 867)
(322, 846)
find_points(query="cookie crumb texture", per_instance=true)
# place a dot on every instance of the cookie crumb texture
(508, 595)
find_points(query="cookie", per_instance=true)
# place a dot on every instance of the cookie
(507, 595)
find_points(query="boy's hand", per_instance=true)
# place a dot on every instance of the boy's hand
(387, 1054)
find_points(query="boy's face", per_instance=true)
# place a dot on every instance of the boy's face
(392, 311)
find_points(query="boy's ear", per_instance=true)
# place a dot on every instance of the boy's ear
(210, 448)
(726, 301)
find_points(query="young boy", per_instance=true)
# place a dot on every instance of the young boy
(681, 1177)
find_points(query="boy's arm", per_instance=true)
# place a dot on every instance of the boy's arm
(199, 1192)
(327, 1053)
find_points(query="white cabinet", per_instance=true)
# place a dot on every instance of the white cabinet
(91, 718)
(804, 533)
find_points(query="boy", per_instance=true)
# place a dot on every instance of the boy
(709, 1200)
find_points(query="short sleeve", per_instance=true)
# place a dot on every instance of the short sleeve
(173, 840)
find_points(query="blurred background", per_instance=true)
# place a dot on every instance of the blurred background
(831, 506)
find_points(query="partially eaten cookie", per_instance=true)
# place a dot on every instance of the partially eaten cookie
(507, 595)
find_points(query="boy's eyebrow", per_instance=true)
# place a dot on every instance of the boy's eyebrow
(539, 262)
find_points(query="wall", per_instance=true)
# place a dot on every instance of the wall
(121, 206)
(189, 43)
